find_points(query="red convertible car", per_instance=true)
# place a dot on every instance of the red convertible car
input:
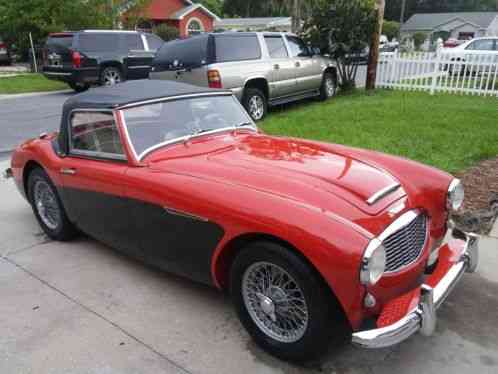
(318, 244)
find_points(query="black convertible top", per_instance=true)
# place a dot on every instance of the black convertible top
(133, 92)
(130, 92)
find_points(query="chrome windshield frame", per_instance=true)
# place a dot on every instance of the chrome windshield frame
(139, 157)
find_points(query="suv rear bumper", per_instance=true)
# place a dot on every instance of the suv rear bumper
(456, 258)
(83, 76)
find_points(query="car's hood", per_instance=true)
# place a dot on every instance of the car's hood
(297, 169)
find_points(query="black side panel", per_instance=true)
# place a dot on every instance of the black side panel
(103, 217)
(173, 242)
(181, 244)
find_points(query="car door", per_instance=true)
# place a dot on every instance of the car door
(479, 51)
(283, 75)
(307, 69)
(93, 179)
(139, 59)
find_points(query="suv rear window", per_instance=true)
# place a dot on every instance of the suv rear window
(62, 40)
(94, 42)
(237, 48)
(187, 53)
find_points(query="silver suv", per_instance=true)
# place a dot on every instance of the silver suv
(262, 69)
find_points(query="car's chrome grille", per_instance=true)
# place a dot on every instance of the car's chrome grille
(404, 246)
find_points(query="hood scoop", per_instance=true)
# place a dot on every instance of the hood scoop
(379, 195)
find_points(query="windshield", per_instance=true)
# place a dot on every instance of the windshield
(154, 125)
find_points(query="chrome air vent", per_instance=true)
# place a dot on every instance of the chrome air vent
(404, 244)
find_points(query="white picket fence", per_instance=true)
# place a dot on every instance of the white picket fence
(433, 72)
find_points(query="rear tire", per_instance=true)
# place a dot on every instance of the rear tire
(293, 315)
(256, 103)
(329, 86)
(48, 208)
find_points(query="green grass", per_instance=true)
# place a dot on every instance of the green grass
(450, 132)
(29, 83)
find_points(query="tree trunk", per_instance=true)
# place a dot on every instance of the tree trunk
(373, 59)
(403, 9)
(296, 19)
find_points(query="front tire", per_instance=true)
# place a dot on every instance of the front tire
(284, 305)
(79, 87)
(110, 76)
(255, 103)
(48, 207)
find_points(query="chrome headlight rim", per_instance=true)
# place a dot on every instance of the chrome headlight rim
(373, 264)
(455, 195)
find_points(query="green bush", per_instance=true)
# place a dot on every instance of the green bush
(166, 32)
(390, 29)
(418, 39)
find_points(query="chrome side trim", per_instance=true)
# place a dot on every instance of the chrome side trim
(423, 317)
(57, 73)
(179, 213)
(379, 195)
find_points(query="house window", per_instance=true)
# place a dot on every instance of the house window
(194, 27)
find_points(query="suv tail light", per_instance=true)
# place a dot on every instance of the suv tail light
(76, 57)
(3, 45)
(214, 79)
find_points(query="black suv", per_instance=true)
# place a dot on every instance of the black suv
(101, 57)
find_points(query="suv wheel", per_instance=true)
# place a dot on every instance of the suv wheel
(110, 76)
(255, 103)
(284, 305)
(79, 87)
(329, 86)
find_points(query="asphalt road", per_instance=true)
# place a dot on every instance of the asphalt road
(80, 307)
(24, 117)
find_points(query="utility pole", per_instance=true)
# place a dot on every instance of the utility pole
(373, 59)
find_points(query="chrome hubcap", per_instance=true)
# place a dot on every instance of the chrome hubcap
(330, 87)
(275, 302)
(256, 107)
(111, 77)
(46, 205)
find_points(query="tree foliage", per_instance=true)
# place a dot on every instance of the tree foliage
(342, 28)
(40, 17)
(393, 7)
(215, 6)
(418, 39)
(166, 32)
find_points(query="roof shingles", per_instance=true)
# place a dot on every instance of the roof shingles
(429, 21)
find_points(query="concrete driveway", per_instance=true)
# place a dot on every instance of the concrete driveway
(81, 307)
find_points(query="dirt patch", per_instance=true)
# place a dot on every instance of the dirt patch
(481, 197)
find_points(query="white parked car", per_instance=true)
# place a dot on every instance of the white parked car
(478, 51)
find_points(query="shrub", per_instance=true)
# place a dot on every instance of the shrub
(166, 32)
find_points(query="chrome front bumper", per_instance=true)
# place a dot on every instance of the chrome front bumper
(423, 317)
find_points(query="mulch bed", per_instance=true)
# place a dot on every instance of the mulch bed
(481, 197)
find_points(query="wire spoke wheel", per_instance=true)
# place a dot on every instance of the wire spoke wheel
(46, 204)
(275, 302)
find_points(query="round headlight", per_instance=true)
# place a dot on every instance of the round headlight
(456, 195)
(373, 263)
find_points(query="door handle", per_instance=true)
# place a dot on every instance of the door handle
(276, 66)
(68, 171)
(298, 64)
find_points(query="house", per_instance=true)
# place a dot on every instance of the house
(188, 17)
(461, 26)
(283, 24)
